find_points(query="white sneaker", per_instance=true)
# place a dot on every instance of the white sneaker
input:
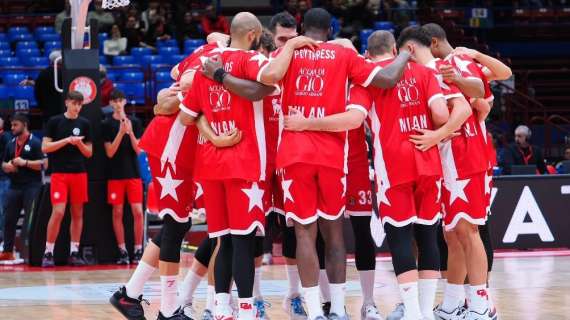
(398, 312)
(188, 310)
(457, 314)
(293, 306)
(487, 315)
(267, 259)
(370, 312)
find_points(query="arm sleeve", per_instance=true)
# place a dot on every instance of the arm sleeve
(360, 71)
(252, 66)
(50, 131)
(36, 153)
(6, 155)
(88, 132)
(359, 99)
(107, 132)
(432, 88)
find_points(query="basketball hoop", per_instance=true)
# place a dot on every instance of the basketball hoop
(111, 4)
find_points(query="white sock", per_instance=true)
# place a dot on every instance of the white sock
(74, 247)
(467, 289)
(410, 298)
(427, 289)
(222, 304)
(478, 298)
(337, 298)
(491, 304)
(138, 247)
(313, 302)
(123, 247)
(169, 292)
(246, 311)
(324, 285)
(294, 280)
(49, 247)
(211, 298)
(367, 285)
(188, 287)
(257, 283)
(142, 273)
(453, 297)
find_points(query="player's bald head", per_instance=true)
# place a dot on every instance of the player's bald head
(243, 23)
(167, 99)
(381, 42)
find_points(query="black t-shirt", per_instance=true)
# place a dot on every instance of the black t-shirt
(124, 164)
(67, 159)
(31, 151)
(4, 139)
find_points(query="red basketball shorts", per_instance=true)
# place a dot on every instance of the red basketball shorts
(117, 188)
(199, 199)
(233, 206)
(358, 190)
(73, 185)
(464, 199)
(312, 191)
(273, 196)
(414, 202)
(174, 189)
(488, 190)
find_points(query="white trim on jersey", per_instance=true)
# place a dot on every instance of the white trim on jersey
(348, 213)
(371, 76)
(185, 109)
(180, 96)
(449, 169)
(253, 226)
(173, 144)
(171, 213)
(435, 96)
(398, 224)
(260, 137)
(217, 234)
(463, 215)
(357, 107)
(258, 77)
(379, 164)
(429, 222)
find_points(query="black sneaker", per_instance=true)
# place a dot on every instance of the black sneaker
(327, 308)
(178, 315)
(123, 257)
(130, 308)
(47, 260)
(137, 257)
(75, 260)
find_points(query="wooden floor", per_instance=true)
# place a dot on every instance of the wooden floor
(524, 288)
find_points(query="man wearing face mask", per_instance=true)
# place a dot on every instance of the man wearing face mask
(521, 152)
(23, 161)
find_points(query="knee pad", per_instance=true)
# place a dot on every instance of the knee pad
(485, 233)
(173, 233)
(428, 251)
(364, 247)
(289, 243)
(258, 246)
(442, 246)
(204, 252)
(157, 239)
(400, 243)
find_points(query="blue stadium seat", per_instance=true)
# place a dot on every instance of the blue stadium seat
(27, 52)
(383, 25)
(4, 45)
(147, 60)
(3, 36)
(363, 48)
(44, 30)
(26, 45)
(162, 85)
(33, 74)
(168, 51)
(364, 34)
(50, 46)
(163, 76)
(175, 59)
(166, 43)
(36, 61)
(48, 37)
(3, 92)
(189, 50)
(134, 91)
(113, 75)
(9, 61)
(5, 52)
(140, 51)
(102, 37)
(21, 37)
(26, 93)
(132, 76)
(194, 42)
(413, 23)
(18, 29)
(14, 78)
(123, 60)
(156, 66)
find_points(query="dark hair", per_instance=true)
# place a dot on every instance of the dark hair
(434, 30)
(283, 19)
(75, 96)
(416, 34)
(318, 19)
(380, 42)
(21, 118)
(266, 41)
(117, 94)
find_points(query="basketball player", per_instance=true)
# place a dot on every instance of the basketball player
(67, 141)
(121, 134)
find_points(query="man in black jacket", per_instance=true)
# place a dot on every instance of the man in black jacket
(521, 152)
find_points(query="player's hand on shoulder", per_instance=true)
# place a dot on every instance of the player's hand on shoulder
(230, 139)
(471, 53)
(211, 65)
(295, 121)
(449, 74)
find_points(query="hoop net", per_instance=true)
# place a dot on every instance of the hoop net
(111, 4)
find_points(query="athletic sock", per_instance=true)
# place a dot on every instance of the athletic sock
(427, 289)
(313, 302)
(73, 247)
(294, 280)
(246, 311)
(169, 292)
(123, 247)
(188, 287)
(410, 298)
(222, 304)
(257, 283)
(135, 285)
(49, 247)
(491, 304)
(453, 297)
(324, 286)
(337, 298)
(467, 290)
(138, 247)
(478, 298)
(211, 298)
(367, 285)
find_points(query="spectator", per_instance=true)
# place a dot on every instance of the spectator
(60, 17)
(117, 44)
(150, 15)
(212, 22)
(284, 27)
(521, 152)
(563, 167)
(134, 35)
(121, 135)
(104, 18)
(107, 87)
(134, 12)
(158, 31)
(50, 101)
(23, 161)
(191, 28)
(4, 182)
(68, 142)
(292, 6)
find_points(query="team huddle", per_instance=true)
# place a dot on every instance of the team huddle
(260, 122)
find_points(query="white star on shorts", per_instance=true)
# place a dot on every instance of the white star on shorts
(169, 185)
(255, 196)
(456, 189)
(286, 186)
